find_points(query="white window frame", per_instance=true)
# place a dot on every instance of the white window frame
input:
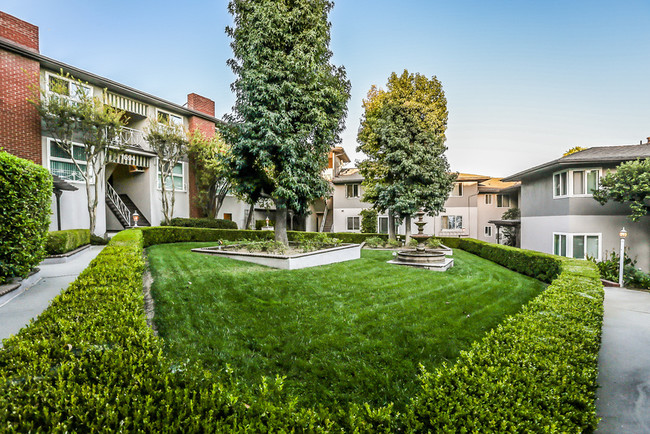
(73, 95)
(51, 142)
(502, 196)
(355, 194)
(183, 176)
(379, 220)
(449, 218)
(353, 219)
(569, 182)
(569, 243)
(181, 121)
(488, 199)
(488, 231)
(566, 187)
(460, 190)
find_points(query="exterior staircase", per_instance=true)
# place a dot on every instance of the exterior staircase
(123, 208)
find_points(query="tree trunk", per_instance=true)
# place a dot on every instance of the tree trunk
(251, 211)
(407, 223)
(222, 191)
(391, 226)
(281, 222)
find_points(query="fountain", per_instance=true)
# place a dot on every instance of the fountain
(432, 259)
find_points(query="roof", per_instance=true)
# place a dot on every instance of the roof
(497, 185)
(467, 177)
(62, 185)
(595, 155)
(103, 82)
(340, 152)
(346, 176)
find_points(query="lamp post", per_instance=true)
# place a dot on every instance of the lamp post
(622, 234)
(136, 217)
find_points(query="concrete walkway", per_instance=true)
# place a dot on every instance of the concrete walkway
(623, 398)
(19, 307)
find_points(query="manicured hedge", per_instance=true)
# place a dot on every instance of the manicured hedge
(25, 200)
(90, 363)
(59, 242)
(202, 223)
(541, 266)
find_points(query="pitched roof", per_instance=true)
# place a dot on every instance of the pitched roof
(497, 185)
(468, 177)
(595, 155)
(348, 175)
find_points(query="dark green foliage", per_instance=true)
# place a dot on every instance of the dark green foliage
(202, 223)
(59, 242)
(632, 277)
(536, 372)
(629, 184)
(291, 101)
(530, 263)
(369, 221)
(25, 198)
(375, 242)
(96, 240)
(259, 224)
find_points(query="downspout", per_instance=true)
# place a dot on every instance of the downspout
(469, 215)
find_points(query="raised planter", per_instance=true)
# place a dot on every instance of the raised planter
(345, 252)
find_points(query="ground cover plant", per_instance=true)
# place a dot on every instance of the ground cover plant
(358, 337)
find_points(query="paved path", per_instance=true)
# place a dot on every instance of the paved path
(623, 400)
(17, 311)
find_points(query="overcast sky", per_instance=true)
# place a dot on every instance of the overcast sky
(525, 80)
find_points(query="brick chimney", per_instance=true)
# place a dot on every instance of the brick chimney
(19, 31)
(207, 128)
(20, 125)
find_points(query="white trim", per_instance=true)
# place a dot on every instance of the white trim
(347, 223)
(358, 194)
(183, 177)
(487, 231)
(170, 114)
(50, 158)
(72, 96)
(569, 182)
(569, 243)
(488, 199)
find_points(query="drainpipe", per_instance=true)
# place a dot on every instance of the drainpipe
(469, 214)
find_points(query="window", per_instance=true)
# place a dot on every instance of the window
(488, 231)
(353, 223)
(63, 166)
(383, 225)
(579, 246)
(488, 199)
(457, 190)
(178, 177)
(70, 89)
(227, 216)
(560, 187)
(352, 190)
(452, 222)
(582, 182)
(503, 201)
(169, 118)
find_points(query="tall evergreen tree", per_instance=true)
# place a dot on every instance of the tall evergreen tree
(403, 135)
(291, 101)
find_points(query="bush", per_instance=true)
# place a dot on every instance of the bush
(259, 224)
(168, 234)
(59, 242)
(96, 240)
(202, 223)
(375, 242)
(369, 221)
(632, 277)
(25, 200)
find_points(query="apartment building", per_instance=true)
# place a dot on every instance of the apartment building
(560, 216)
(131, 181)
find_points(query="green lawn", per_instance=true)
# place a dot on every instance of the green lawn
(349, 332)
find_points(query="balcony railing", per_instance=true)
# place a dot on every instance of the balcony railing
(132, 138)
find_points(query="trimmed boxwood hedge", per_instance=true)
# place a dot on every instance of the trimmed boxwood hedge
(91, 363)
(25, 200)
(202, 223)
(59, 242)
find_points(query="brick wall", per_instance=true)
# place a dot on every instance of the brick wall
(203, 105)
(19, 31)
(20, 126)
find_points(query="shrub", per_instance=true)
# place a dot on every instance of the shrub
(96, 240)
(369, 221)
(632, 277)
(434, 242)
(168, 234)
(259, 224)
(202, 223)
(25, 200)
(375, 242)
(270, 246)
(59, 242)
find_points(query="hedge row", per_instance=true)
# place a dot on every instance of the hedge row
(25, 200)
(90, 363)
(59, 242)
(167, 234)
(202, 223)
(541, 266)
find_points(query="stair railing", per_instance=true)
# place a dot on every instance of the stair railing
(115, 199)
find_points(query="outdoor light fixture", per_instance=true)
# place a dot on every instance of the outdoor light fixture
(623, 235)
(136, 217)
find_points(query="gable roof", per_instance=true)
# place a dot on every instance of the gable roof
(595, 155)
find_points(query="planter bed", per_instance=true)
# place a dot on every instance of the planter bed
(345, 252)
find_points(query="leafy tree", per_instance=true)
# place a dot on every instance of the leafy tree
(510, 233)
(403, 135)
(291, 102)
(630, 183)
(369, 221)
(574, 150)
(210, 160)
(69, 113)
(169, 142)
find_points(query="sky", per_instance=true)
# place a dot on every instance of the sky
(525, 80)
